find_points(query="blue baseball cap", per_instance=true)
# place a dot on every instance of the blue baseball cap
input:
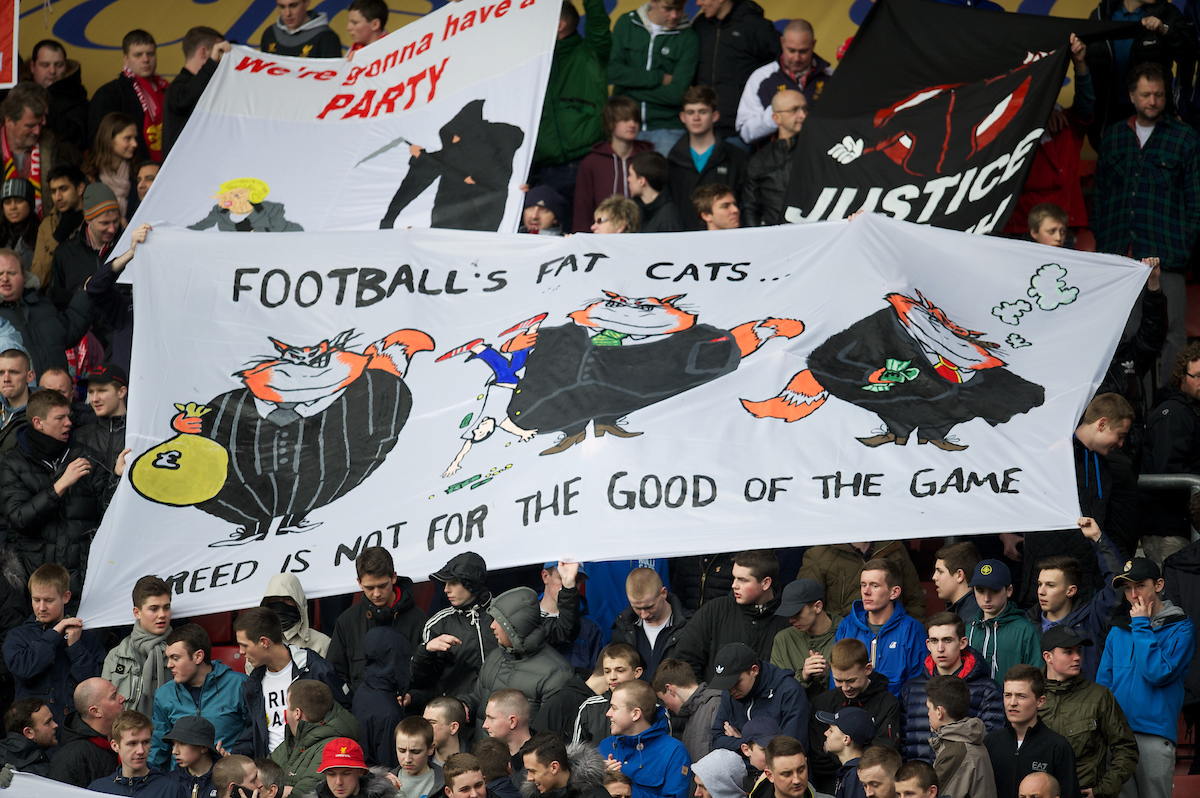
(991, 574)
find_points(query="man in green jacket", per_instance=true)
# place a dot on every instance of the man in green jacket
(575, 97)
(654, 57)
(805, 646)
(1087, 714)
(313, 719)
(1000, 631)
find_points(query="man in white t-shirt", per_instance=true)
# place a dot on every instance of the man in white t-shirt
(653, 620)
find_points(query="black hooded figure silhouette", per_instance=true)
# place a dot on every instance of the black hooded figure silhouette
(475, 165)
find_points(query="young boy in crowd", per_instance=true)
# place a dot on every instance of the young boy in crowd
(1048, 225)
(701, 157)
(1000, 632)
(964, 769)
(621, 663)
(345, 771)
(416, 776)
(692, 704)
(716, 206)
(648, 187)
(447, 717)
(131, 733)
(50, 654)
(138, 665)
(757, 734)
(850, 733)
(641, 745)
(193, 741)
(604, 171)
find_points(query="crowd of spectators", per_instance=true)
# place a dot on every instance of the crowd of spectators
(1057, 663)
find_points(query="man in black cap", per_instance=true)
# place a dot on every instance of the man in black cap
(850, 732)
(108, 387)
(1146, 659)
(1000, 632)
(193, 741)
(1087, 714)
(748, 684)
(804, 647)
(456, 640)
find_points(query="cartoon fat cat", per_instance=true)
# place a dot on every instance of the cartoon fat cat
(915, 369)
(620, 354)
(308, 426)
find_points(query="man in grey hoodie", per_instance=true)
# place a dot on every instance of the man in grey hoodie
(300, 33)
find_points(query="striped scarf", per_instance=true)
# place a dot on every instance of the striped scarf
(33, 168)
(151, 93)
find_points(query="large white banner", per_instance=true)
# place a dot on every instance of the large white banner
(295, 399)
(432, 126)
(27, 785)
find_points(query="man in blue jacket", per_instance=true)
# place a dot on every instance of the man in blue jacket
(199, 686)
(894, 639)
(949, 655)
(1145, 662)
(754, 687)
(1059, 580)
(50, 654)
(641, 745)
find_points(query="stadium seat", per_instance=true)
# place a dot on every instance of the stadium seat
(932, 602)
(1192, 320)
(230, 656)
(218, 625)
(1084, 240)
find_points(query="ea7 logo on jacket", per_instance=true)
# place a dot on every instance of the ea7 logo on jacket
(1041, 767)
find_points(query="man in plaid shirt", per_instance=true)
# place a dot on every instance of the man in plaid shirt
(1147, 193)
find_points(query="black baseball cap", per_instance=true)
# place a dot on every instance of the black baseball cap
(761, 730)
(732, 661)
(797, 594)
(193, 730)
(108, 373)
(1137, 570)
(854, 722)
(1063, 636)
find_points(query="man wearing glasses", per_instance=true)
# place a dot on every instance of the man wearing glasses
(1172, 447)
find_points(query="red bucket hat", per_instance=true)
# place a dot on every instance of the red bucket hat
(342, 752)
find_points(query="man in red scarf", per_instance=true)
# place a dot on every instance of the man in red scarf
(137, 92)
(27, 149)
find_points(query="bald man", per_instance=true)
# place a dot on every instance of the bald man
(764, 191)
(1039, 785)
(81, 759)
(798, 68)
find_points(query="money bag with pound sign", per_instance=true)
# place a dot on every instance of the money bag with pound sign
(188, 469)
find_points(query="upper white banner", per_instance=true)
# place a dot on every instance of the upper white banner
(296, 399)
(432, 126)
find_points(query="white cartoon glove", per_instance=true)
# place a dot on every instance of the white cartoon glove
(847, 150)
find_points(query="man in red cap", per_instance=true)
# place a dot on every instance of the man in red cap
(346, 773)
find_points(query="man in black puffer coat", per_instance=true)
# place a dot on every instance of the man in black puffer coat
(701, 578)
(735, 39)
(83, 752)
(54, 490)
(442, 666)
(949, 655)
(522, 660)
(375, 706)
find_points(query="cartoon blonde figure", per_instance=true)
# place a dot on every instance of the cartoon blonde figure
(242, 207)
